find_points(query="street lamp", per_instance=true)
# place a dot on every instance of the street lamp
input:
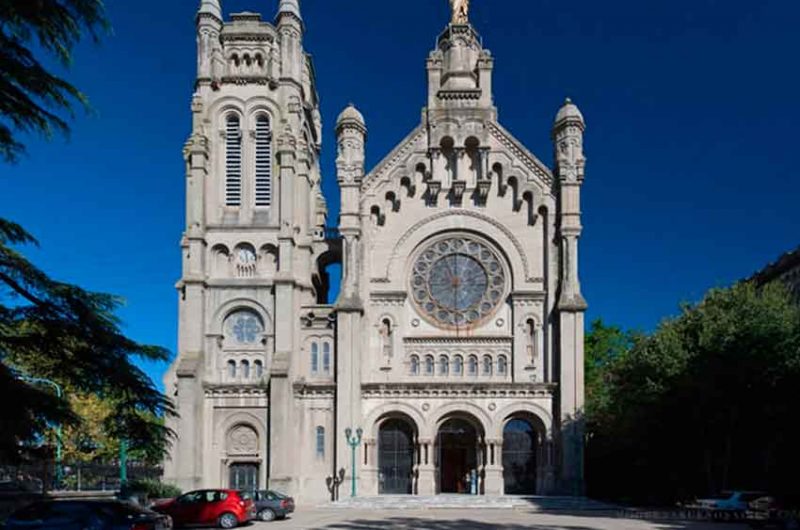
(353, 443)
(59, 394)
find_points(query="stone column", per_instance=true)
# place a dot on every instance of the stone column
(494, 468)
(426, 484)
(570, 163)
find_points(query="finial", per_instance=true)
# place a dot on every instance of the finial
(210, 7)
(460, 12)
(567, 100)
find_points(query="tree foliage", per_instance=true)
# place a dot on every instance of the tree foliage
(705, 403)
(61, 332)
(31, 96)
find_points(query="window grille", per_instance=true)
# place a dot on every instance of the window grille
(326, 357)
(320, 442)
(502, 365)
(414, 365)
(263, 175)
(314, 357)
(233, 162)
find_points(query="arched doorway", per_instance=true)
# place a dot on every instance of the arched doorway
(520, 442)
(395, 458)
(457, 442)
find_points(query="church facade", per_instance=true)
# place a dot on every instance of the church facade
(452, 359)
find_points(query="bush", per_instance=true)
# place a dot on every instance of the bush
(150, 489)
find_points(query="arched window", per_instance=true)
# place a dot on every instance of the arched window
(502, 365)
(487, 365)
(429, 365)
(263, 176)
(232, 369)
(444, 365)
(414, 365)
(326, 357)
(472, 365)
(243, 327)
(458, 365)
(320, 442)
(258, 368)
(245, 369)
(314, 358)
(233, 161)
(386, 333)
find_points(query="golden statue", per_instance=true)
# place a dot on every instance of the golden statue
(460, 11)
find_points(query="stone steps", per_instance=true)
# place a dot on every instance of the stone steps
(471, 502)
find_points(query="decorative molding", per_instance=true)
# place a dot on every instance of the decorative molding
(467, 341)
(526, 157)
(391, 298)
(237, 390)
(464, 213)
(392, 159)
(458, 390)
(304, 390)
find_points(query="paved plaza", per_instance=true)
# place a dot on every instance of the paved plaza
(454, 519)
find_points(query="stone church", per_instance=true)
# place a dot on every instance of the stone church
(451, 360)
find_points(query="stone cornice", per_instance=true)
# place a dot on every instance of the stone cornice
(457, 340)
(235, 390)
(457, 390)
(520, 151)
(393, 158)
(305, 390)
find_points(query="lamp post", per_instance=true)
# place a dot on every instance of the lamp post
(353, 442)
(59, 394)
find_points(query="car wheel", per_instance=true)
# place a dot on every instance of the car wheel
(267, 515)
(228, 520)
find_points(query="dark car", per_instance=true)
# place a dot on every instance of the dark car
(271, 505)
(86, 515)
(222, 508)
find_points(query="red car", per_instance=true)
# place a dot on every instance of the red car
(223, 508)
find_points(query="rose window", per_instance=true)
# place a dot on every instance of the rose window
(458, 282)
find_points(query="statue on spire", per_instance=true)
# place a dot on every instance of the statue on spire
(460, 11)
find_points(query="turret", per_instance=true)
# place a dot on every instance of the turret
(289, 22)
(570, 163)
(209, 49)
(569, 167)
(351, 136)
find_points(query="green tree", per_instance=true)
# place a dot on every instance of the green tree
(31, 96)
(704, 403)
(604, 346)
(48, 328)
(62, 332)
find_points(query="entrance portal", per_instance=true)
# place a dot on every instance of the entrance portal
(395, 458)
(519, 458)
(458, 457)
(244, 477)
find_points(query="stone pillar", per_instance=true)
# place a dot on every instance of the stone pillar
(426, 482)
(570, 163)
(494, 468)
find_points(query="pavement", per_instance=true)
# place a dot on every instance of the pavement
(455, 519)
(466, 512)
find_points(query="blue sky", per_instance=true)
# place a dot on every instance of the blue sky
(691, 107)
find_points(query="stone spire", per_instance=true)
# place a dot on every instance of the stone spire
(209, 49)
(290, 7)
(210, 7)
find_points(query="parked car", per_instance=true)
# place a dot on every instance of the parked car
(222, 508)
(271, 505)
(730, 501)
(86, 515)
(775, 511)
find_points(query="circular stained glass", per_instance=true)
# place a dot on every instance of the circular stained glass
(458, 282)
(244, 327)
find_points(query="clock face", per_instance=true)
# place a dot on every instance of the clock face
(458, 282)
